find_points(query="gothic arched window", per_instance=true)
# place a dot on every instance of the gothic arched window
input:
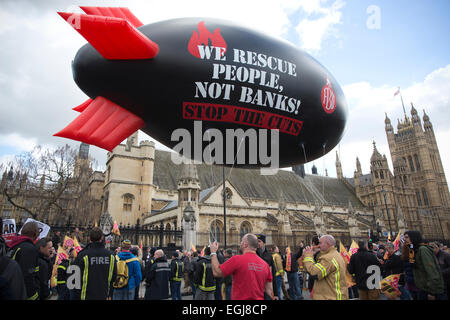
(419, 199)
(425, 197)
(215, 231)
(411, 164)
(105, 207)
(127, 202)
(244, 229)
(416, 159)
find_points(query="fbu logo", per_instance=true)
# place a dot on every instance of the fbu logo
(328, 98)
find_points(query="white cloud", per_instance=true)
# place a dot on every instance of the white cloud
(18, 142)
(319, 24)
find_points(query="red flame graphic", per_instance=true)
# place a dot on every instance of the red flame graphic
(203, 37)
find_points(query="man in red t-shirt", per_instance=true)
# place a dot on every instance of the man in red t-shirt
(251, 274)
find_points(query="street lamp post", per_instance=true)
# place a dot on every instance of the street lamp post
(387, 211)
(224, 210)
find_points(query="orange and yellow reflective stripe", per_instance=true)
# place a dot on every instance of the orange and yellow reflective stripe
(85, 277)
(337, 280)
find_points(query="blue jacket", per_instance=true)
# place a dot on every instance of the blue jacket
(134, 270)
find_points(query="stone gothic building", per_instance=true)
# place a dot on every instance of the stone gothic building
(143, 184)
(415, 195)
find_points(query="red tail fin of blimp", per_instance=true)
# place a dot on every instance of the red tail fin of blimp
(114, 38)
(117, 12)
(102, 123)
(83, 106)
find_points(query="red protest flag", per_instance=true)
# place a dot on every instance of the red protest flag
(397, 242)
(288, 259)
(344, 253)
(353, 248)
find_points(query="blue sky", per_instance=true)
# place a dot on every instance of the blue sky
(412, 41)
(410, 49)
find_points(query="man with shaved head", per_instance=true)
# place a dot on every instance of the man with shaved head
(252, 277)
(330, 270)
(157, 278)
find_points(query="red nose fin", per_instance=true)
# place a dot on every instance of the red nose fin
(83, 106)
(117, 12)
(114, 38)
(103, 124)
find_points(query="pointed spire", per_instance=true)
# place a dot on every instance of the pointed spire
(358, 165)
(426, 118)
(413, 110)
(375, 155)
(386, 119)
(338, 167)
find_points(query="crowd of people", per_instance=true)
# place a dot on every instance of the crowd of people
(253, 273)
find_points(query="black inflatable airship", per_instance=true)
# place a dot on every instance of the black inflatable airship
(209, 89)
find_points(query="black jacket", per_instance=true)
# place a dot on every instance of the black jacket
(267, 257)
(158, 280)
(12, 285)
(203, 275)
(394, 265)
(26, 255)
(443, 259)
(359, 262)
(98, 271)
(61, 275)
(148, 264)
(176, 269)
(45, 271)
(56, 240)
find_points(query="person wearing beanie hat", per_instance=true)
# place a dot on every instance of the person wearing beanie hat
(267, 257)
(261, 237)
(134, 273)
(126, 244)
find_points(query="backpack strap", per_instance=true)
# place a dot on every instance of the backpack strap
(132, 259)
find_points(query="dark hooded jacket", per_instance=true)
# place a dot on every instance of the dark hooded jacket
(359, 264)
(25, 253)
(12, 285)
(427, 274)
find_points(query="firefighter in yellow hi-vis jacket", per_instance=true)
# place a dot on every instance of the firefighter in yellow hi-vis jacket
(330, 270)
